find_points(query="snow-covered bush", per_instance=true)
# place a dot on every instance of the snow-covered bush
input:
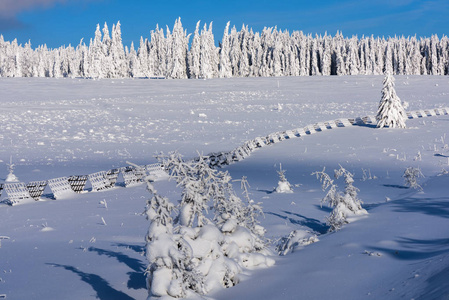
(283, 185)
(391, 112)
(188, 252)
(252, 212)
(11, 176)
(346, 205)
(297, 239)
(411, 175)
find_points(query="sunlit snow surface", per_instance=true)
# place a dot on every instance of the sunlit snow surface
(63, 250)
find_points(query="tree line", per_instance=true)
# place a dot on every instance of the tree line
(272, 52)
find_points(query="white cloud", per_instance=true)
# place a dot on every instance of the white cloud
(10, 8)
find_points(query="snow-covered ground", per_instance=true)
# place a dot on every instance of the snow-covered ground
(90, 245)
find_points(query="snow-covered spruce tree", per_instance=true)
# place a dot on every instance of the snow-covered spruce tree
(225, 70)
(353, 202)
(193, 57)
(327, 183)
(283, 185)
(190, 255)
(350, 205)
(390, 113)
(11, 176)
(209, 59)
(178, 44)
(411, 175)
(346, 205)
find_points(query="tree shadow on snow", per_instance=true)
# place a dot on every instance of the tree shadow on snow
(438, 207)
(136, 248)
(311, 223)
(137, 278)
(326, 209)
(396, 186)
(267, 191)
(414, 249)
(441, 155)
(101, 286)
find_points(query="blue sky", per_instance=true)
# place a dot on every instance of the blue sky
(63, 22)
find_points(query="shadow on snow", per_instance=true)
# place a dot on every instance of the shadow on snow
(414, 249)
(101, 286)
(438, 207)
(313, 224)
(137, 277)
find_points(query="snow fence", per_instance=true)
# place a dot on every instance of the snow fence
(225, 158)
(100, 181)
(64, 187)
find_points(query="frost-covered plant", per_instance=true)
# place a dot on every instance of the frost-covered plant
(345, 205)
(352, 202)
(283, 185)
(11, 176)
(334, 199)
(162, 251)
(411, 175)
(297, 239)
(189, 254)
(252, 212)
(327, 183)
(194, 178)
(391, 112)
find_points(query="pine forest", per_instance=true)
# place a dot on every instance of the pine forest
(272, 52)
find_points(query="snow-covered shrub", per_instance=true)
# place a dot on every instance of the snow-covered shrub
(327, 183)
(411, 175)
(190, 254)
(353, 202)
(297, 239)
(346, 205)
(11, 176)
(252, 212)
(391, 112)
(283, 185)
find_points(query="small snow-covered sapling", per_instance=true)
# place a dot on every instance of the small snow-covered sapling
(283, 185)
(345, 205)
(411, 175)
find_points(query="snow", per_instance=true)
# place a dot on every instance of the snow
(283, 187)
(79, 248)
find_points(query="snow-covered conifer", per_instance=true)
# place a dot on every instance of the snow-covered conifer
(346, 205)
(411, 175)
(241, 53)
(224, 68)
(283, 185)
(177, 47)
(11, 176)
(390, 113)
(327, 183)
(119, 67)
(194, 54)
(352, 202)
(252, 213)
